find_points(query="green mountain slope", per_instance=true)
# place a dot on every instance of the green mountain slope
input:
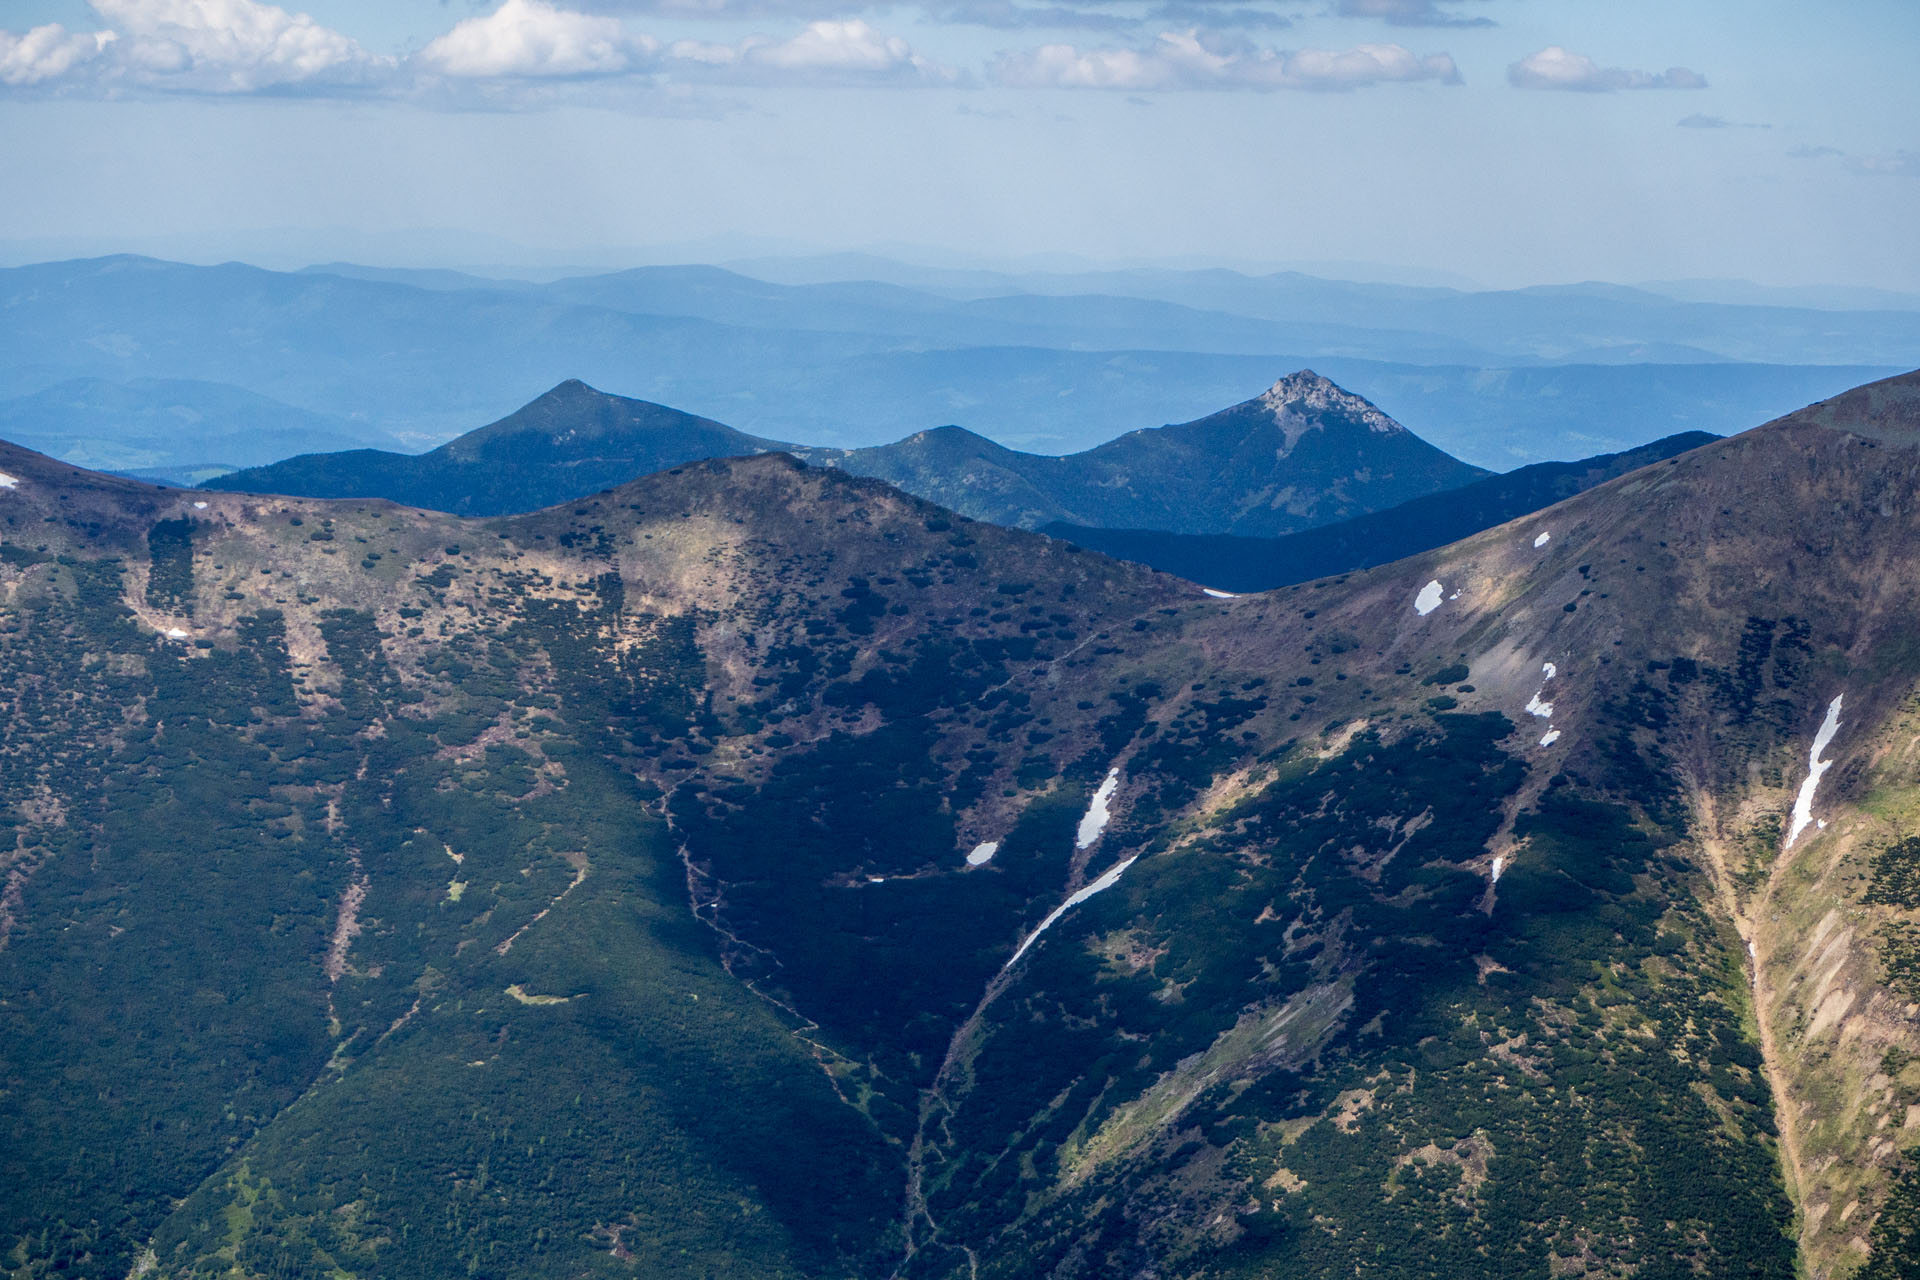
(1261, 564)
(755, 870)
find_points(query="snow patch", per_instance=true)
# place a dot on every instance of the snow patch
(1499, 865)
(1548, 671)
(1220, 595)
(1816, 769)
(199, 506)
(983, 853)
(9, 482)
(1535, 707)
(1429, 598)
(1105, 882)
(175, 633)
(1095, 819)
(1553, 736)
(1542, 540)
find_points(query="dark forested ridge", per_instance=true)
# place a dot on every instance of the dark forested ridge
(570, 442)
(753, 870)
(1260, 564)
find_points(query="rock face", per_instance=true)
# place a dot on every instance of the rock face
(1303, 401)
(594, 890)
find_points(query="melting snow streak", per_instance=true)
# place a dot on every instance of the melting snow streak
(1429, 598)
(1220, 595)
(1499, 865)
(1816, 768)
(1097, 815)
(1106, 881)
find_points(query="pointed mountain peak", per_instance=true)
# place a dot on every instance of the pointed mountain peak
(571, 391)
(1305, 399)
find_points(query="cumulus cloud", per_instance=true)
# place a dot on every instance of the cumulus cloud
(229, 46)
(533, 38)
(836, 52)
(1409, 13)
(1557, 68)
(1191, 60)
(47, 53)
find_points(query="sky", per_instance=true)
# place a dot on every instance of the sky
(1501, 142)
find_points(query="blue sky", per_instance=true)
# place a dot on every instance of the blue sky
(1505, 141)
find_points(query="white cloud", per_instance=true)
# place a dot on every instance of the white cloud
(47, 53)
(835, 52)
(1189, 60)
(1557, 68)
(231, 46)
(533, 38)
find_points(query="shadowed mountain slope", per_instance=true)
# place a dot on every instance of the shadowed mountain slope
(1261, 564)
(755, 869)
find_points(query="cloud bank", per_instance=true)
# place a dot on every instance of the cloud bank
(1191, 60)
(1409, 13)
(1557, 68)
(530, 52)
(236, 47)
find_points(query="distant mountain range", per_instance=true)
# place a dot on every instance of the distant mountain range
(1499, 380)
(1303, 454)
(171, 428)
(1380, 537)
